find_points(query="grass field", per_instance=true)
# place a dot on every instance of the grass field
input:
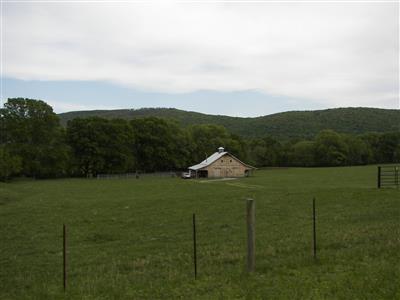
(132, 239)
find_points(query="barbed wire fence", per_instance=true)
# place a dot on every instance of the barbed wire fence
(197, 236)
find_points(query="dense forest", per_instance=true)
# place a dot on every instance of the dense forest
(283, 126)
(33, 143)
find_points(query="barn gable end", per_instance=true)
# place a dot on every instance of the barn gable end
(221, 164)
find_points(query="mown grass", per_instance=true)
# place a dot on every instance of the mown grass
(132, 238)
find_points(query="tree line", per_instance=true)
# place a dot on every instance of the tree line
(34, 144)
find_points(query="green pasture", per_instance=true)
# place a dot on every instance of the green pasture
(132, 238)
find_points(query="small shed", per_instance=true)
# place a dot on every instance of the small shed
(221, 164)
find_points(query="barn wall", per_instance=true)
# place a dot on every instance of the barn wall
(226, 166)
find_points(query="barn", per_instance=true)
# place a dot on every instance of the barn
(220, 164)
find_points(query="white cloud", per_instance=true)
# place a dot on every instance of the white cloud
(338, 54)
(62, 106)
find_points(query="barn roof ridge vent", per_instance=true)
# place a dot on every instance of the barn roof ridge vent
(221, 149)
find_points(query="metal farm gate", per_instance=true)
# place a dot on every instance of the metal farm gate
(388, 176)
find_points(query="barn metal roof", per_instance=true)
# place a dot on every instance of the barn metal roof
(208, 161)
(214, 157)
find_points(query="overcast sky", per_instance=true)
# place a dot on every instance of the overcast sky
(242, 59)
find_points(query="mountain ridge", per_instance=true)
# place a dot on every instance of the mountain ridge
(283, 125)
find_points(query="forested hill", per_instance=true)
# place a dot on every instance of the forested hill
(301, 124)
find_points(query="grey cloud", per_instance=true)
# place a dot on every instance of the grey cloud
(332, 53)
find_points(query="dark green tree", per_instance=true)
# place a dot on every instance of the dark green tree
(303, 154)
(372, 141)
(263, 152)
(160, 145)
(330, 149)
(100, 146)
(9, 164)
(387, 147)
(207, 138)
(359, 152)
(31, 131)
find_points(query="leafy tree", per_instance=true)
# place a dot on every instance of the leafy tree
(303, 154)
(207, 138)
(118, 155)
(330, 149)
(9, 164)
(33, 143)
(236, 145)
(384, 147)
(257, 153)
(387, 147)
(264, 152)
(359, 152)
(32, 132)
(159, 144)
(372, 141)
(100, 145)
(396, 155)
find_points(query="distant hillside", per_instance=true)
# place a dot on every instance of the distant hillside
(302, 124)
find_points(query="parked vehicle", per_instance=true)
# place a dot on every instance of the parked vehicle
(185, 175)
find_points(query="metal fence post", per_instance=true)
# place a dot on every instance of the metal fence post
(379, 177)
(194, 247)
(314, 232)
(64, 257)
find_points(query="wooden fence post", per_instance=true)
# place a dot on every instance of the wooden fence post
(250, 217)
